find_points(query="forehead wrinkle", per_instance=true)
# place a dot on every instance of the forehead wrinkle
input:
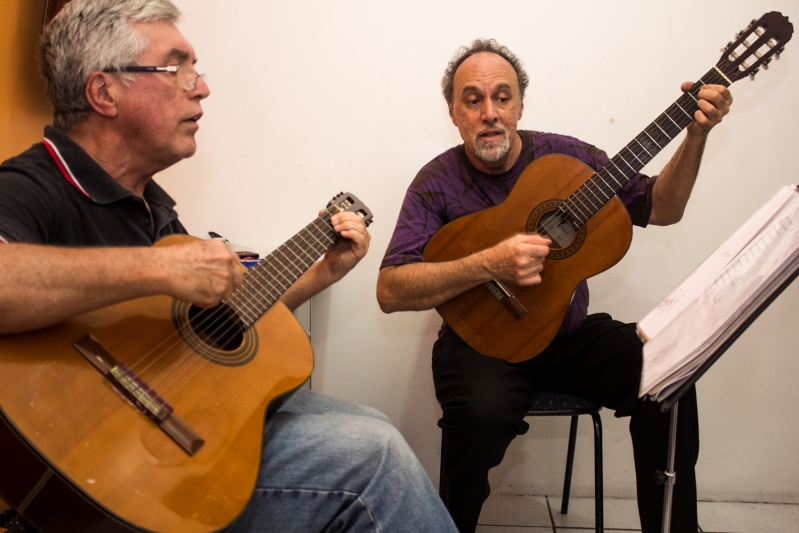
(474, 88)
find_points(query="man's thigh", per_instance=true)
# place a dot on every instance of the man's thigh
(601, 362)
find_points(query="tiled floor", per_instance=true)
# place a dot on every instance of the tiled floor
(504, 513)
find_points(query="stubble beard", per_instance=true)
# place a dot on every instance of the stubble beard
(491, 151)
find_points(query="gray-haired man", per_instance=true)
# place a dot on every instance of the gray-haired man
(327, 465)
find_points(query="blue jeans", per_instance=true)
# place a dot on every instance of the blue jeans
(330, 465)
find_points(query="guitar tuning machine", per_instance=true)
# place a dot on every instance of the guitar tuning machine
(726, 47)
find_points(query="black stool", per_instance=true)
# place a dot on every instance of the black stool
(556, 404)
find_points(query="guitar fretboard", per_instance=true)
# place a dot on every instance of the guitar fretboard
(606, 182)
(266, 282)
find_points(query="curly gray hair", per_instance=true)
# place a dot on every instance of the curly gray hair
(482, 45)
(91, 35)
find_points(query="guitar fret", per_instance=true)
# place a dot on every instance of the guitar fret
(661, 129)
(684, 111)
(607, 168)
(653, 140)
(575, 206)
(644, 148)
(635, 156)
(626, 163)
(588, 187)
(607, 189)
(672, 120)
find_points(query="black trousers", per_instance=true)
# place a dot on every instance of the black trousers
(484, 401)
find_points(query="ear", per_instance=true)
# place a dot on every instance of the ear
(521, 110)
(452, 115)
(100, 92)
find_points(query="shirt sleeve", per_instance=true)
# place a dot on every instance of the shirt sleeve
(24, 210)
(419, 219)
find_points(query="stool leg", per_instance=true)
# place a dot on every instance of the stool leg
(598, 481)
(567, 482)
(443, 480)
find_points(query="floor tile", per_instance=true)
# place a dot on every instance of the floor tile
(735, 517)
(512, 510)
(514, 529)
(619, 514)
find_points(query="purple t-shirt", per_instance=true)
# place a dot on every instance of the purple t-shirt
(450, 187)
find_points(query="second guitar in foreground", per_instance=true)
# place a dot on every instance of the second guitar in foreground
(565, 201)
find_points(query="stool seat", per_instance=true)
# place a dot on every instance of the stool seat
(559, 404)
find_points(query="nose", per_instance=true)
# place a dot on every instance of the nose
(488, 112)
(201, 88)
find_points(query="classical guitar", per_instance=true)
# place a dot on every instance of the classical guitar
(564, 200)
(148, 415)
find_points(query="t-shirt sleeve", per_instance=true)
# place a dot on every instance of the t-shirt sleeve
(24, 209)
(419, 219)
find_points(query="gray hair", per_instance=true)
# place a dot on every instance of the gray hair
(92, 35)
(482, 45)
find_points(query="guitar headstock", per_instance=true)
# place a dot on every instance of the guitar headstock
(754, 46)
(346, 201)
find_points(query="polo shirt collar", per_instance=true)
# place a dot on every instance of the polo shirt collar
(88, 177)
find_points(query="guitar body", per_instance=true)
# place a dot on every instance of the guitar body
(476, 315)
(72, 443)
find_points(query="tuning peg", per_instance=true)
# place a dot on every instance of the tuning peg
(765, 66)
(726, 47)
(752, 76)
(778, 52)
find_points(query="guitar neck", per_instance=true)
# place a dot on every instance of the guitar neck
(266, 282)
(605, 183)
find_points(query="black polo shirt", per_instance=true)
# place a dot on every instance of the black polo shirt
(78, 204)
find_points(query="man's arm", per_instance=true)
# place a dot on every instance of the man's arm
(674, 184)
(419, 286)
(43, 285)
(336, 263)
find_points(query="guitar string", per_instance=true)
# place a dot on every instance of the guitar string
(566, 210)
(214, 315)
(198, 365)
(181, 371)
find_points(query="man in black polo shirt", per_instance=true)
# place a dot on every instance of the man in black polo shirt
(126, 97)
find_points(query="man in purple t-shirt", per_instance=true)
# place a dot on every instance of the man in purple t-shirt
(484, 399)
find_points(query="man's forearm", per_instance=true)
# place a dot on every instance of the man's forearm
(315, 280)
(421, 286)
(43, 285)
(674, 184)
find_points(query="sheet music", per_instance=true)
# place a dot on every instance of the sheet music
(684, 341)
(683, 295)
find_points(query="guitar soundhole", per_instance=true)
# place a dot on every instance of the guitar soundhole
(550, 222)
(218, 327)
(215, 334)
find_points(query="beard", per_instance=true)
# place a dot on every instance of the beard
(492, 151)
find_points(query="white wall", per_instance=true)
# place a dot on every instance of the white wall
(313, 97)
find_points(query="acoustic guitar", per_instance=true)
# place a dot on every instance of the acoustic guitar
(564, 200)
(148, 415)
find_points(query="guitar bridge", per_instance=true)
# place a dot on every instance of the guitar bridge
(132, 387)
(506, 298)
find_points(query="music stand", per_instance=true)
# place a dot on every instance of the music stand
(671, 402)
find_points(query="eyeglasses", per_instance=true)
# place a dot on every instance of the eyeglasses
(185, 76)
